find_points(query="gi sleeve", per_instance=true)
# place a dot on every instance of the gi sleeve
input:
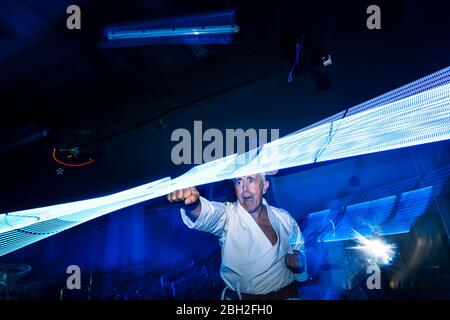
(212, 218)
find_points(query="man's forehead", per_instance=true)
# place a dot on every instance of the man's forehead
(249, 176)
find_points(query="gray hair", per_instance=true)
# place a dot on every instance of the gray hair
(262, 175)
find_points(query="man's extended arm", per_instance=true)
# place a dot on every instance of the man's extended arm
(199, 213)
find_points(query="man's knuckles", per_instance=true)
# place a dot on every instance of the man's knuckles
(184, 194)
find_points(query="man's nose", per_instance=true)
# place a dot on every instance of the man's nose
(244, 185)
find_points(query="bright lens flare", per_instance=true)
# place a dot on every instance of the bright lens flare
(376, 250)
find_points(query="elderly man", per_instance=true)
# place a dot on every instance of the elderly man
(262, 246)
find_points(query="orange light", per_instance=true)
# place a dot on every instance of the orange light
(71, 164)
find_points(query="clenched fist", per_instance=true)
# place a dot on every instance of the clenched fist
(188, 196)
(295, 261)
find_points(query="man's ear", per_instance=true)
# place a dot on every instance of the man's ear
(265, 186)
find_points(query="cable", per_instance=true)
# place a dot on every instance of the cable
(298, 47)
(329, 138)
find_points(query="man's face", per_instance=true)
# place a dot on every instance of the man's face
(249, 191)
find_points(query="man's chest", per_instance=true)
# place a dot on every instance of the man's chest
(258, 236)
(268, 230)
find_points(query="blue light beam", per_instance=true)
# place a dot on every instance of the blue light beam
(415, 119)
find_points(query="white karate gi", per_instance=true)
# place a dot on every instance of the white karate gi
(250, 264)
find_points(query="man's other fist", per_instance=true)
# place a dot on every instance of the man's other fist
(295, 261)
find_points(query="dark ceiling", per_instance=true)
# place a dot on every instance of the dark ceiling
(122, 104)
